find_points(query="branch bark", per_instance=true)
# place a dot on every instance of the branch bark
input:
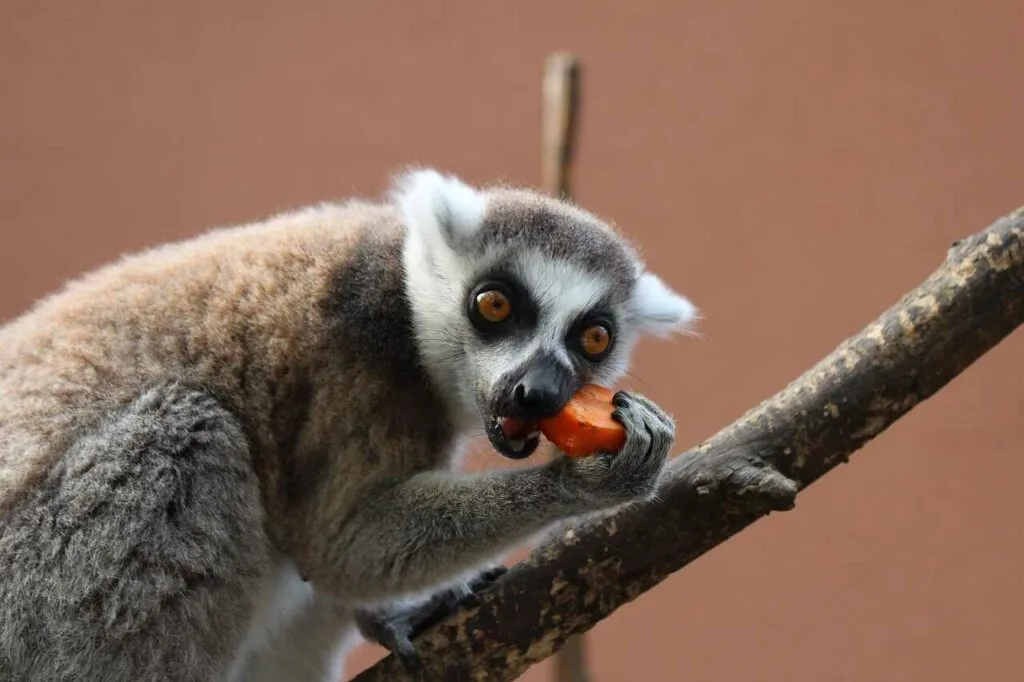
(750, 468)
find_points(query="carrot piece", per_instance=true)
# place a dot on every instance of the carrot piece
(585, 425)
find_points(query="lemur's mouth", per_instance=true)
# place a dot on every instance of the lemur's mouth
(514, 438)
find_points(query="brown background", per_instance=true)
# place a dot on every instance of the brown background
(794, 166)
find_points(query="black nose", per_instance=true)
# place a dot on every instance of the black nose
(543, 391)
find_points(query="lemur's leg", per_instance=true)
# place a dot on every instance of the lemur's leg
(140, 555)
(394, 626)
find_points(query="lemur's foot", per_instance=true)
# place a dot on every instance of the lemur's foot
(395, 626)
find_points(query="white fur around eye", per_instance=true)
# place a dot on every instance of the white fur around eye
(440, 208)
(659, 310)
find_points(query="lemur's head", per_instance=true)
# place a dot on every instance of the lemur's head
(519, 299)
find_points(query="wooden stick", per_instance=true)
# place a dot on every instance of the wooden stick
(561, 90)
(558, 135)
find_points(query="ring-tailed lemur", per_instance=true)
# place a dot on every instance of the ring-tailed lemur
(219, 459)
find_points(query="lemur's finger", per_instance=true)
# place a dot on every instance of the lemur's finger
(405, 651)
(638, 435)
(656, 410)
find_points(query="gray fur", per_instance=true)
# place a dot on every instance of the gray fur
(137, 557)
(218, 459)
(560, 231)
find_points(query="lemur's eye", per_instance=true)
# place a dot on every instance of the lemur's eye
(493, 306)
(595, 340)
(499, 307)
(592, 337)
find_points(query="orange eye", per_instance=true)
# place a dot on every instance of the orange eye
(595, 340)
(493, 306)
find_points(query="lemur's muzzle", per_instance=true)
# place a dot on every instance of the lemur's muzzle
(540, 391)
(543, 391)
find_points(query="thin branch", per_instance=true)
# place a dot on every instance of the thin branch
(966, 307)
(561, 90)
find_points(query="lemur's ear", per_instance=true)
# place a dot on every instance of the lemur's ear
(660, 310)
(441, 209)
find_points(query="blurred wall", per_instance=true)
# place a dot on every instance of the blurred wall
(793, 166)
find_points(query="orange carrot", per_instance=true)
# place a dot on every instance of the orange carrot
(585, 425)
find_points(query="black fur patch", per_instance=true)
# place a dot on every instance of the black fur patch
(369, 319)
(288, 418)
(524, 309)
(368, 308)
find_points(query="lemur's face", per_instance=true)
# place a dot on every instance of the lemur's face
(518, 300)
(538, 330)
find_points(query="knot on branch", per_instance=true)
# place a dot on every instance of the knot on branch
(739, 474)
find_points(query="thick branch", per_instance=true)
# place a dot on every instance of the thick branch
(714, 491)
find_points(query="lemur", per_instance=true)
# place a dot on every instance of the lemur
(226, 458)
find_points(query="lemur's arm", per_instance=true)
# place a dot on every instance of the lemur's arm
(434, 527)
(428, 529)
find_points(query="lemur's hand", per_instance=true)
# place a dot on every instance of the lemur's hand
(632, 473)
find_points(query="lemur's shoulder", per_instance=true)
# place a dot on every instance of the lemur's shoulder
(295, 248)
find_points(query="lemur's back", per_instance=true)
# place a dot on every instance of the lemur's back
(237, 311)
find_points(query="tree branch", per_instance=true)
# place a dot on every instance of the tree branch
(710, 493)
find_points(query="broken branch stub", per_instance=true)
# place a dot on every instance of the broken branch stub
(755, 465)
